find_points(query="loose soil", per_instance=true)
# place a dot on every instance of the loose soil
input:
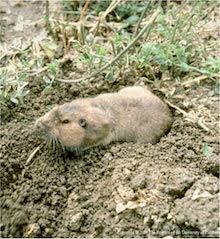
(121, 190)
(171, 187)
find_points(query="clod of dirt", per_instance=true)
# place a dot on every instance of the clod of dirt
(211, 165)
(197, 213)
(32, 230)
(14, 218)
(177, 182)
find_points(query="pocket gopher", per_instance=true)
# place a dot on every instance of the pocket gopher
(133, 114)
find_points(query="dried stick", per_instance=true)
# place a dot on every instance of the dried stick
(110, 8)
(32, 155)
(141, 18)
(177, 108)
(47, 15)
(197, 120)
(202, 125)
(102, 16)
(81, 30)
(47, 12)
(64, 59)
(84, 10)
(33, 73)
(30, 158)
(140, 34)
(197, 79)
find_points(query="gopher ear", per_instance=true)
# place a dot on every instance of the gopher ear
(106, 123)
(98, 106)
(56, 112)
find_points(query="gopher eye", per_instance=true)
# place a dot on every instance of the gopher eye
(82, 123)
(66, 121)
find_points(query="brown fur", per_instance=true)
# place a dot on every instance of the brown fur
(132, 114)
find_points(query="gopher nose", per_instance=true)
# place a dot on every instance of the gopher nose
(40, 125)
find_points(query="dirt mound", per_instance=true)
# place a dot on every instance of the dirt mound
(122, 190)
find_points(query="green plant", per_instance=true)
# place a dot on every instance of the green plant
(212, 65)
(171, 45)
(49, 78)
(13, 90)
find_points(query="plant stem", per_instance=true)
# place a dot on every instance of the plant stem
(141, 18)
(140, 34)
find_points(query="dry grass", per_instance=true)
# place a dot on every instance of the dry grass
(92, 36)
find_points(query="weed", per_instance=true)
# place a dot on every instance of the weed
(174, 45)
(13, 89)
(212, 66)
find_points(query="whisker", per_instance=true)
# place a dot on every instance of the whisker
(49, 141)
(63, 147)
(57, 142)
(53, 144)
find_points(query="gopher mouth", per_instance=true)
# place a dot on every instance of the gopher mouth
(79, 150)
(50, 139)
(55, 143)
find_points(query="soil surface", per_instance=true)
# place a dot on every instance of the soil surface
(121, 190)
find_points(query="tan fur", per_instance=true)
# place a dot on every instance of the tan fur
(132, 114)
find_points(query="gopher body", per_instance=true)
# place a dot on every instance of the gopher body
(134, 114)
